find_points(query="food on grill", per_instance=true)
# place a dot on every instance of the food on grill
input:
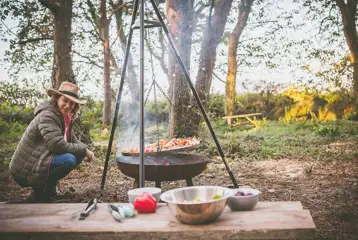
(165, 145)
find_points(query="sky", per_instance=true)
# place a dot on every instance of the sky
(249, 75)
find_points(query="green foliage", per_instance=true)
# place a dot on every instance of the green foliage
(11, 113)
(13, 93)
(216, 106)
(28, 50)
(4, 126)
(89, 124)
(91, 113)
(159, 110)
(14, 119)
(296, 104)
(327, 130)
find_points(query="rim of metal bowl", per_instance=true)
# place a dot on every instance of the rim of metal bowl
(162, 197)
(140, 190)
(257, 192)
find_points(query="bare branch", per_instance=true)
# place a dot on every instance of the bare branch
(94, 19)
(114, 62)
(218, 77)
(123, 7)
(88, 59)
(89, 62)
(34, 40)
(2, 22)
(326, 18)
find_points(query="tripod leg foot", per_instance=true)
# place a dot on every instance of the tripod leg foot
(189, 182)
(158, 184)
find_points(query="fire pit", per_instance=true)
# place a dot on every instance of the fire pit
(164, 167)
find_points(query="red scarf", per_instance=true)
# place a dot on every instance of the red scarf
(67, 120)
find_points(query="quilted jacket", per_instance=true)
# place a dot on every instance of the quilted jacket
(42, 140)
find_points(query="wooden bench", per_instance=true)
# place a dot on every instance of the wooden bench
(269, 220)
(251, 118)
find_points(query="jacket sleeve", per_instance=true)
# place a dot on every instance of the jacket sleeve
(52, 134)
(75, 139)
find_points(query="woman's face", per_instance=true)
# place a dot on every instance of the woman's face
(65, 105)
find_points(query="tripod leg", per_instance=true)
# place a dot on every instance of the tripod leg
(189, 182)
(119, 94)
(183, 68)
(158, 184)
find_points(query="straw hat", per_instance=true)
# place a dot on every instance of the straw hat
(68, 90)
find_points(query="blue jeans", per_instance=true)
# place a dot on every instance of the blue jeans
(61, 165)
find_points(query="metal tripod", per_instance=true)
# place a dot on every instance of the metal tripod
(151, 24)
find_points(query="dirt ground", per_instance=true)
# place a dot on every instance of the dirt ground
(328, 189)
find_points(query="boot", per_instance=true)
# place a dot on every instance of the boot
(38, 196)
(51, 191)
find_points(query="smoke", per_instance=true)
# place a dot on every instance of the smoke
(128, 127)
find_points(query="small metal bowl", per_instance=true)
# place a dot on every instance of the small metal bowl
(133, 193)
(204, 211)
(243, 203)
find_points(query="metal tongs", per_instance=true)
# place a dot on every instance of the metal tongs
(91, 206)
(116, 212)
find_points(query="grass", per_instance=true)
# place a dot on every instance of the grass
(307, 139)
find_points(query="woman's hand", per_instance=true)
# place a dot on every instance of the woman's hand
(89, 155)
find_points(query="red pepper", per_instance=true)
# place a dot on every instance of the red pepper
(145, 203)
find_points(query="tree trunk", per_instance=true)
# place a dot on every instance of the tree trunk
(131, 75)
(212, 36)
(104, 22)
(180, 18)
(349, 13)
(62, 60)
(244, 10)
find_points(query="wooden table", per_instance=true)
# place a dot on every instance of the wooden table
(247, 116)
(269, 220)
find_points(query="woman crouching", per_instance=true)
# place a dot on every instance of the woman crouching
(48, 150)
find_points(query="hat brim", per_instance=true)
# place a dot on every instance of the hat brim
(51, 92)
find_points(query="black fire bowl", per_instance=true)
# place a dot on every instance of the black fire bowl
(164, 167)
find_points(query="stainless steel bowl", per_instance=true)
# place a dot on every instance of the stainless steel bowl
(204, 211)
(133, 193)
(244, 203)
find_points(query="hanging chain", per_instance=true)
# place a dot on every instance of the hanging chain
(156, 109)
(162, 91)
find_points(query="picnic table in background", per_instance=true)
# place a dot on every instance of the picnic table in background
(269, 220)
(251, 118)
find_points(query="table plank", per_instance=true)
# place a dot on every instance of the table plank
(60, 221)
(247, 116)
(24, 210)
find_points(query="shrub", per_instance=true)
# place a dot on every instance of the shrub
(16, 113)
(327, 130)
(216, 106)
(159, 111)
(4, 127)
